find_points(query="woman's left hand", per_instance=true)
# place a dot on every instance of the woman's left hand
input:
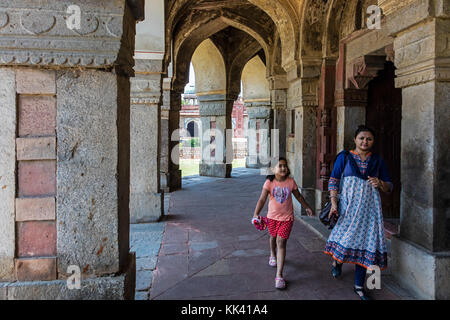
(309, 212)
(375, 182)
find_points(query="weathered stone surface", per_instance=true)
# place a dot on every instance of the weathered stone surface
(7, 169)
(220, 170)
(146, 204)
(142, 295)
(48, 38)
(417, 154)
(34, 209)
(36, 148)
(423, 272)
(147, 263)
(104, 288)
(37, 178)
(146, 207)
(43, 269)
(258, 111)
(145, 240)
(348, 119)
(87, 153)
(35, 81)
(36, 238)
(3, 291)
(144, 280)
(37, 115)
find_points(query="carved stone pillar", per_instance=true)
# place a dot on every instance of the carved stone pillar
(303, 97)
(326, 129)
(146, 200)
(65, 125)
(420, 254)
(259, 134)
(278, 94)
(217, 147)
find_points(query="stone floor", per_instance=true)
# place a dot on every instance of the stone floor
(206, 248)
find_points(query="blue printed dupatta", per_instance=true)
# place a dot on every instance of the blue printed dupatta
(358, 236)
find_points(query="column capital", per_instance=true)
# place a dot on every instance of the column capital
(214, 105)
(402, 15)
(146, 85)
(278, 82)
(48, 40)
(351, 97)
(258, 109)
(423, 53)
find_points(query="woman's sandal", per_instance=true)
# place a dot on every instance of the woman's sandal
(280, 283)
(336, 269)
(361, 293)
(272, 261)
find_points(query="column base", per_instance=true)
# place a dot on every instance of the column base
(218, 170)
(118, 287)
(146, 207)
(425, 273)
(164, 177)
(174, 180)
(255, 163)
(321, 199)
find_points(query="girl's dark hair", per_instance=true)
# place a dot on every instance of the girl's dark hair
(272, 176)
(364, 128)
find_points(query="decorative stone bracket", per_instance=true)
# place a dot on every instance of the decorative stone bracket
(362, 70)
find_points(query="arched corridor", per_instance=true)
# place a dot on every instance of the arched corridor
(210, 250)
(90, 103)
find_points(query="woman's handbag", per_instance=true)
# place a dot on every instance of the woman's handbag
(324, 214)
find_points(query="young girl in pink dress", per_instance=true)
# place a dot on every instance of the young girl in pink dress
(280, 188)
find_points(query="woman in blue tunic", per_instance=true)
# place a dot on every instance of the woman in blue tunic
(358, 236)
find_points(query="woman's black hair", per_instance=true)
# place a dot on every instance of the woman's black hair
(272, 176)
(364, 128)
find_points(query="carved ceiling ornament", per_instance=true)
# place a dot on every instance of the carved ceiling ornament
(316, 11)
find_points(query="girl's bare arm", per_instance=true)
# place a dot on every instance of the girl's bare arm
(300, 199)
(261, 202)
(303, 202)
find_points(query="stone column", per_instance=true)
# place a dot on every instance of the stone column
(421, 252)
(303, 97)
(65, 126)
(278, 93)
(174, 178)
(259, 134)
(326, 130)
(146, 199)
(164, 141)
(217, 148)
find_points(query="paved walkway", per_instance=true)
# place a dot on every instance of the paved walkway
(209, 249)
